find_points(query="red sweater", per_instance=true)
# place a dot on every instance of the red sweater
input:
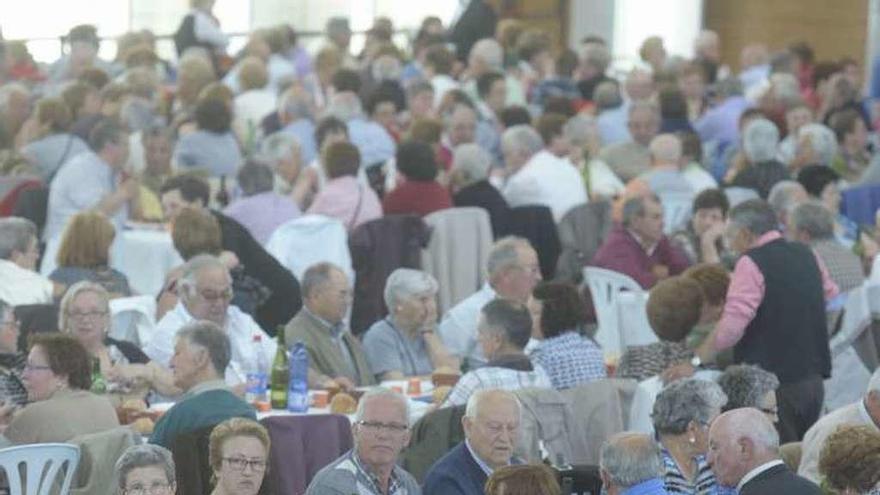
(622, 253)
(416, 197)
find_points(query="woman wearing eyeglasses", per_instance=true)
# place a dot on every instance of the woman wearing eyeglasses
(12, 391)
(239, 454)
(85, 314)
(146, 470)
(57, 377)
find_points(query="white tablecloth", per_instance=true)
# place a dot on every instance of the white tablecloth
(145, 257)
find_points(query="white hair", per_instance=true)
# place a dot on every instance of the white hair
(278, 147)
(192, 268)
(780, 197)
(344, 106)
(490, 51)
(377, 392)
(472, 162)
(785, 87)
(666, 148)
(404, 283)
(760, 140)
(295, 104)
(475, 401)
(822, 139)
(578, 128)
(751, 423)
(522, 137)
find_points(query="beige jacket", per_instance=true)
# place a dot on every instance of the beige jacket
(66, 414)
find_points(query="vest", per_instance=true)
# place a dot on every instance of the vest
(789, 334)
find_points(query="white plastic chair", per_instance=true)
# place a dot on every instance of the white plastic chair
(849, 375)
(310, 239)
(133, 319)
(676, 211)
(605, 286)
(42, 462)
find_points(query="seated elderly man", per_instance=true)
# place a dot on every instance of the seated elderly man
(469, 182)
(812, 224)
(284, 301)
(538, 177)
(760, 143)
(491, 428)
(783, 198)
(744, 452)
(638, 248)
(201, 354)
(336, 358)
(512, 273)
(632, 158)
(381, 431)
(631, 464)
(665, 177)
(462, 126)
(261, 210)
(20, 283)
(503, 332)
(405, 343)
(205, 292)
(93, 180)
(863, 412)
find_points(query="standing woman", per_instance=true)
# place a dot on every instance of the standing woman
(239, 455)
(201, 28)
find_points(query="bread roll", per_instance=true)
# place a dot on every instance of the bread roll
(342, 403)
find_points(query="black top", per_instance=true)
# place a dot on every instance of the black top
(484, 195)
(476, 22)
(761, 177)
(133, 354)
(789, 334)
(779, 480)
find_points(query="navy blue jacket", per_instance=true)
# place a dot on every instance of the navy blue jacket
(456, 473)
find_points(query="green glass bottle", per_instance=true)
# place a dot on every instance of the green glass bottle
(99, 385)
(280, 375)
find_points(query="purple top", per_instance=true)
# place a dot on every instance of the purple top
(721, 122)
(262, 213)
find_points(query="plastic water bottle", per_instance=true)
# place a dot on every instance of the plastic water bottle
(257, 377)
(298, 388)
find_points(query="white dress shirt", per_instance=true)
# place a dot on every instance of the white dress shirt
(814, 439)
(458, 329)
(546, 180)
(19, 286)
(240, 328)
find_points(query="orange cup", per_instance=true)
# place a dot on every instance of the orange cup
(320, 399)
(414, 387)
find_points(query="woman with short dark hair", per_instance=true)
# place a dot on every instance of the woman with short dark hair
(344, 196)
(420, 193)
(212, 147)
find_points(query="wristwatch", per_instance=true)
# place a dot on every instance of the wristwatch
(696, 362)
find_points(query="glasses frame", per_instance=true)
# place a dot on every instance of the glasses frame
(376, 427)
(240, 464)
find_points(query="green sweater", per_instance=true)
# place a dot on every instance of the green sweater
(199, 411)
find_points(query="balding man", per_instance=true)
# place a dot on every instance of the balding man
(744, 452)
(784, 196)
(630, 464)
(512, 272)
(632, 158)
(491, 428)
(665, 176)
(535, 176)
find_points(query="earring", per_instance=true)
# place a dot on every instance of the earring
(692, 440)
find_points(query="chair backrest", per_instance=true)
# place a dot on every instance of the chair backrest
(676, 211)
(133, 319)
(41, 464)
(581, 232)
(192, 468)
(432, 436)
(35, 318)
(605, 285)
(310, 239)
(100, 451)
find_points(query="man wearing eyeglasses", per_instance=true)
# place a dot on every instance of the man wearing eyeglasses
(205, 292)
(491, 429)
(381, 430)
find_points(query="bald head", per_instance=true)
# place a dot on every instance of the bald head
(666, 149)
(739, 441)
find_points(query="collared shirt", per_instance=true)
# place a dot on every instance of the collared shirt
(546, 180)
(458, 328)
(336, 331)
(368, 480)
(485, 467)
(203, 387)
(746, 292)
(52, 151)
(389, 349)
(349, 475)
(262, 213)
(755, 472)
(720, 123)
(496, 377)
(570, 359)
(19, 286)
(240, 328)
(372, 141)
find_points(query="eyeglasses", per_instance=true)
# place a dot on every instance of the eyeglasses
(240, 463)
(91, 315)
(157, 488)
(35, 367)
(377, 426)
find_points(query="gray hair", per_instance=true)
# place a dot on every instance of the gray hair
(684, 401)
(751, 423)
(630, 458)
(596, 55)
(823, 141)
(814, 219)
(746, 384)
(16, 234)
(378, 392)
(191, 269)
(344, 106)
(505, 252)
(643, 105)
(475, 401)
(255, 177)
(578, 128)
(141, 456)
(635, 207)
(522, 137)
(279, 146)
(72, 293)
(8, 89)
(404, 283)
(666, 148)
(316, 276)
(754, 215)
(208, 335)
(781, 197)
(295, 104)
(490, 51)
(471, 162)
(760, 140)
(786, 88)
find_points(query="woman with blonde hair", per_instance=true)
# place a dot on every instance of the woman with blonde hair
(239, 456)
(53, 144)
(850, 460)
(85, 254)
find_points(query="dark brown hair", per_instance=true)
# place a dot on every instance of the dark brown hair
(674, 307)
(342, 158)
(563, 309)
(66, 356)
(523, 479)
(196, 232)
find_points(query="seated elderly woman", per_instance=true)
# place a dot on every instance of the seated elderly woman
(747, 385)
(674, 308)
(701, 240)
(85, 254)
(53, 143)
(821, 184)
(420, 193)
(212, 147)
(469, 182)
(682, 414)
(761, 170)
(405, 343)
(146, 469)
(85, 314)
(850, 460)
(261, 210)
(568, 357)
(239, 455)
(12, 361)
(344, 197)
(57, 376)
(20, 283)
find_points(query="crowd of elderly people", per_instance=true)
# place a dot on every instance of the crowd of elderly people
(720, 195)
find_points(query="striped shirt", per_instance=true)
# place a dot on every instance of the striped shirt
(704, 484)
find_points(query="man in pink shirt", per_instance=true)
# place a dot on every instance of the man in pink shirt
(774, 315)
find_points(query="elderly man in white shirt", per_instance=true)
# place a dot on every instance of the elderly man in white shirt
(205, 290)
(513, 272)
(536, 176)
(19, 282)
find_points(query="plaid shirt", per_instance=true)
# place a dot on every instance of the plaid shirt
(497, 376)
(367, 482)
(570, 360)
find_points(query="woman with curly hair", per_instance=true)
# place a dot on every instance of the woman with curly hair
(850, 460)
(747, 385)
